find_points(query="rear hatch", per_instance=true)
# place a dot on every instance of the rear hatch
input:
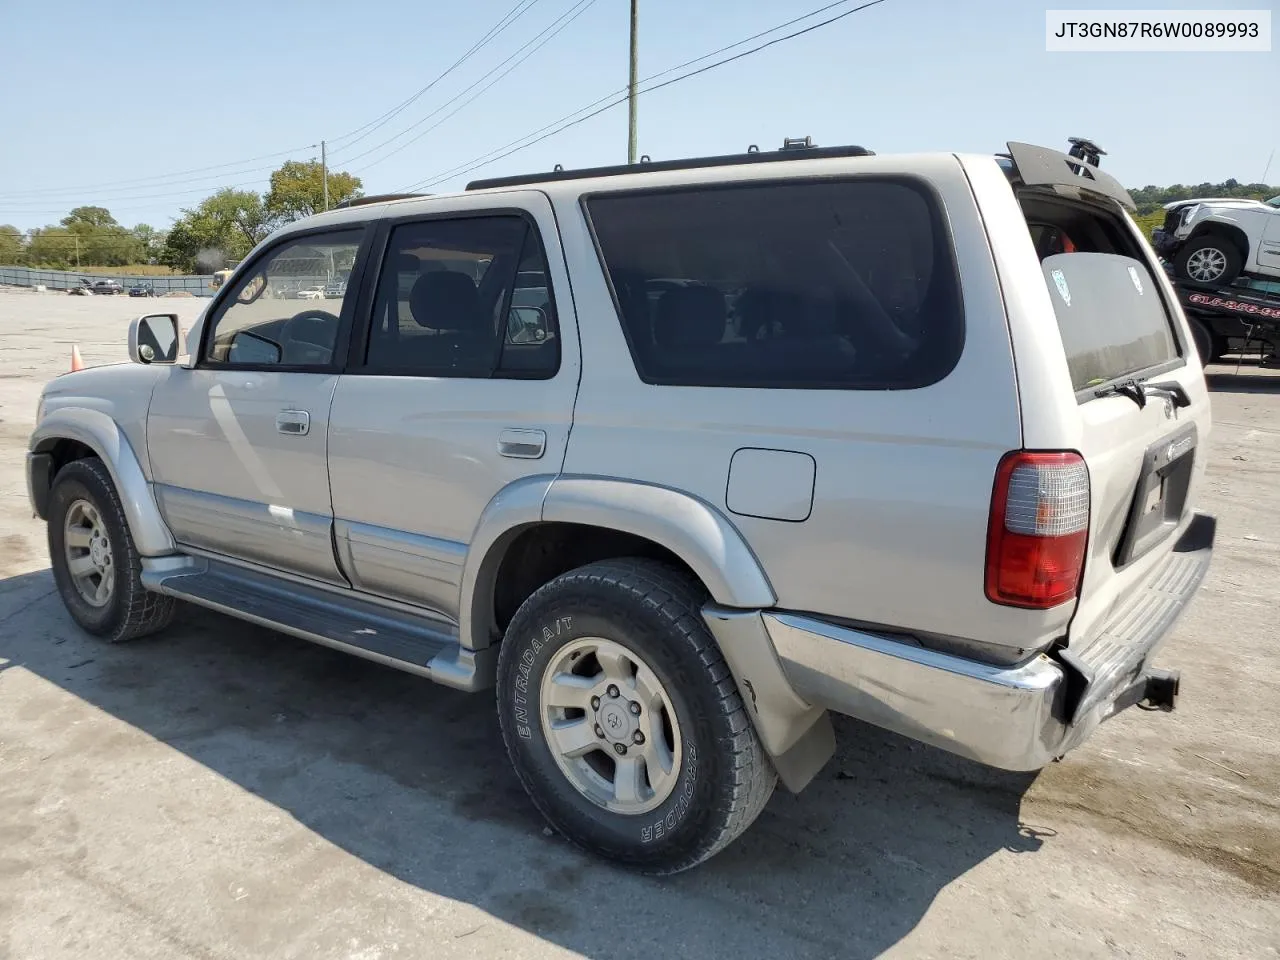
(1140, 416)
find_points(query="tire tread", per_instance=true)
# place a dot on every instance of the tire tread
(677, 600)
(143, 612)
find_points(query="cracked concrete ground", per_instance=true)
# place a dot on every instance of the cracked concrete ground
(222, 791)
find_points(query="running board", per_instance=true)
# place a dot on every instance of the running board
(341, 620)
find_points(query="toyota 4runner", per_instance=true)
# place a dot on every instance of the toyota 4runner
(676, 459)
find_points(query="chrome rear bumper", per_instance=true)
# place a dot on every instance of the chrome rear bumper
(1017, 717)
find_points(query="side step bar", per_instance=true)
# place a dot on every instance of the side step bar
(343, 621)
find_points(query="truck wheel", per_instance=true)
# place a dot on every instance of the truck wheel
(1208, 259)
(95, 563)
(622, 720)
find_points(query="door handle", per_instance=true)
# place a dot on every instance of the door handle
(522, 444)
(295, 423)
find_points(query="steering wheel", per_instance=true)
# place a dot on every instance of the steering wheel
(309, 337)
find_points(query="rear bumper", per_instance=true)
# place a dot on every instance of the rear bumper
(1017, 717)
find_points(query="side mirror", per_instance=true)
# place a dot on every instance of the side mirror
(252, 290)
(526, 325)
(154, 338)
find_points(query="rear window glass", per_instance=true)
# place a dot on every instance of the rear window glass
(821, 284)
(1111, 317)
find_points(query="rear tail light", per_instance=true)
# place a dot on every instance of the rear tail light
(1038, 530)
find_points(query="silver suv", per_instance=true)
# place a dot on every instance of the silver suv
(678, 459)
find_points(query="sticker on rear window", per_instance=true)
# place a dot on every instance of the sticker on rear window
(1137, 281)
(1061, 281)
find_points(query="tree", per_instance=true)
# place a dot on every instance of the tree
(52, 247)
(150, 241)
(12, 245)
(90, 216)
(222, 229)
(1151, 198)
(297, 190)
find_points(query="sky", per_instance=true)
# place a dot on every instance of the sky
(132, 118)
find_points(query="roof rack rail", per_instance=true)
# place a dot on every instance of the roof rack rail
(377, 198)
(794, 148)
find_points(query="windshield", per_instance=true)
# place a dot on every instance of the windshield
(1274, 202)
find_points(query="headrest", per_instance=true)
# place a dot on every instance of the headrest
(690, 316)
(446, 300)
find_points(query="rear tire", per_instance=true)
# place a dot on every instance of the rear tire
(1204, 341)
(1209, 260)
(622, 644)
(95, 563)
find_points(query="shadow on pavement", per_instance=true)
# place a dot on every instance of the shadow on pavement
(1243, 375)
(845, 869)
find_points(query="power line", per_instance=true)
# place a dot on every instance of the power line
(565, 122)
(511, 16)
(549, 33)
(662, 73)
(216, 187)
(152, 181)
(170, 179)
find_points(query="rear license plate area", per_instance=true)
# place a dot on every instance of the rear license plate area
(1160, 498)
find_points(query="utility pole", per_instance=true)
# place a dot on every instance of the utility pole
(631, 90)
(324, 174)
(77, 239)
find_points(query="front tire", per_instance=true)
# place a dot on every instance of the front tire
(622, 720)
(1210, 260)
(96, 566)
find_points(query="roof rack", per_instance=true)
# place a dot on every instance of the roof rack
(793, 148)
(377, 198)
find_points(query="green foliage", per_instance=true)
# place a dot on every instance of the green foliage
(297, 190)
(89, 216)
(221, 230)
(81, 245)
(1150, 199)
(150, 242)
(13, 247)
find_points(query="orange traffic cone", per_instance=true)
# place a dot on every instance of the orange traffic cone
(77, 362)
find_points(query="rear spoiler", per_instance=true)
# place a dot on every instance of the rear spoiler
(1042, 167)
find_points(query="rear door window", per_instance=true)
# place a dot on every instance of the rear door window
(800, 284)
(1111, 316)
(465, 297)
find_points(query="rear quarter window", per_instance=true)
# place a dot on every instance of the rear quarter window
(838, 284)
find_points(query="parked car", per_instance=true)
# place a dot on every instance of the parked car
(867, 451)
(141, 289)
(335, 290)
(312, 293)
(1211, 242)
(107, 287)
(82, 289)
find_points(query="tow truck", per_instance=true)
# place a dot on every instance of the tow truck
(1247, 311)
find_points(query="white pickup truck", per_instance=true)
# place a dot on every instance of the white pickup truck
(1213, 241)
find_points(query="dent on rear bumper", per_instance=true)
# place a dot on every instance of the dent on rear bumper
(1001, 716)
(1017, 718)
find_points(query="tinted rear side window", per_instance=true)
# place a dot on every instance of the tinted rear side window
(822, 284)
(1112, 320)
